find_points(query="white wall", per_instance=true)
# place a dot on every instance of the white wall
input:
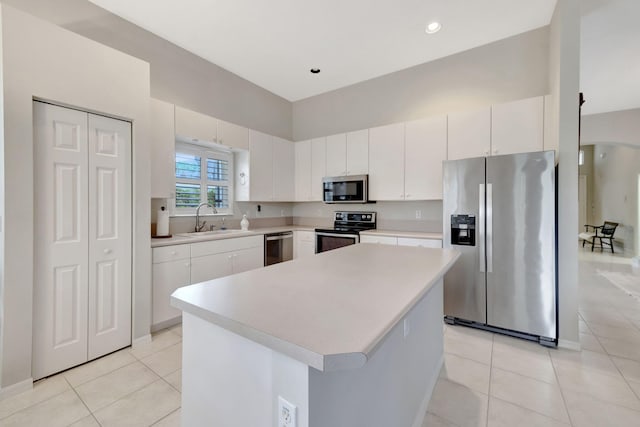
(177, 76)
(509, 69)
(564, 74)
(615, 193)
(44, 61)
(617, 126)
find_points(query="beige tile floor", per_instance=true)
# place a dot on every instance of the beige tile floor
(487, 380)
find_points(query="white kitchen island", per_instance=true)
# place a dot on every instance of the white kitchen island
(351, 337)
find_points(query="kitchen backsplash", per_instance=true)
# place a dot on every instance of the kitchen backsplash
(401, 216)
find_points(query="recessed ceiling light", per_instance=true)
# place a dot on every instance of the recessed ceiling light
(315, 70)
(433, 27)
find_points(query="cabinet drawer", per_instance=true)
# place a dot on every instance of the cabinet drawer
(227, 245)
(425, 243)
(384, 240)
(170, 253)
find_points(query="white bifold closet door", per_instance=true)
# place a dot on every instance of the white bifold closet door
(82, 243)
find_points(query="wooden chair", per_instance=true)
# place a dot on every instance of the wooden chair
(601, 233)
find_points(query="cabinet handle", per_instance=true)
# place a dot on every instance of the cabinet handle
(107, 251)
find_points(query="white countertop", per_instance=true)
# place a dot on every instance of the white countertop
(408, 234)
(179, 240)
(329, 311)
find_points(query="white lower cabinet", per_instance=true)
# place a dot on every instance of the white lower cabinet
(425, 243)
(304, 243)
(219, 258)
(171, 270)
(384, 240)
(182, 265)
(401, 241)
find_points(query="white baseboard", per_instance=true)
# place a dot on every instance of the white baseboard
(16, 388)
(569, 345)
(422, 412)
(142, 340)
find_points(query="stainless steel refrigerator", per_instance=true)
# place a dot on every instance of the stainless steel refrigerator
(499, 212)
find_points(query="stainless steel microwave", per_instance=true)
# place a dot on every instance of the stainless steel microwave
(345, 189)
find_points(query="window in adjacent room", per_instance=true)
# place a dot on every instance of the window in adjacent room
(203, 174)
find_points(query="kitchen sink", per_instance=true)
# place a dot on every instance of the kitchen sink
(207, 233)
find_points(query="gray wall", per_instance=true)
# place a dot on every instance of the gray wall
(177, 76)
(615, 191)
(618, 126)
(45, 61)
(564, 78)
(587, 170)
(506, 70)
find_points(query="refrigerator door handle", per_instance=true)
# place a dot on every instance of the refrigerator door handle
(481, 228)
(489, 230)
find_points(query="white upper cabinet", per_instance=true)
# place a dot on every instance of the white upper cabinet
(425, 148)
(283, 170)
(261, 166)
(232, 135)
(386, 162)
(194, 125)
(337, 155)
(303, 170)
(348, 153)
(266, 172)
(469, 134)
(358, 152)
(517, 127)
(318, 167)
(162, 149)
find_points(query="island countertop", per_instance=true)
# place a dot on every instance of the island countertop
(330, 311)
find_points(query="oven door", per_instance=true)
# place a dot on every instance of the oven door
(326, 241)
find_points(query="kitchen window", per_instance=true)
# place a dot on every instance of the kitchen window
(202, 174)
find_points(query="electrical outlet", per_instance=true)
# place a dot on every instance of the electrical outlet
(406, 328)
(286, 413)
(418, 214)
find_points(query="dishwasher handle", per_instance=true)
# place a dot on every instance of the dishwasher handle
(280, 236)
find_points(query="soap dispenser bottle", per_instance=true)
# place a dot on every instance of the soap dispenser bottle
(244, 224)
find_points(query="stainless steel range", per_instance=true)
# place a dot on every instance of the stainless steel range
(346, 230)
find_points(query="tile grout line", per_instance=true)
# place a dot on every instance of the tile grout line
(564, 399)
(83, 403)
(166, 416)
(493, 340)
(95, 378)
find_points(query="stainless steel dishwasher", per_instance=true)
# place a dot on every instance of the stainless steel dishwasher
(278, 247)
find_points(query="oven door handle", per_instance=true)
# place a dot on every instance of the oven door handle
(351, 236)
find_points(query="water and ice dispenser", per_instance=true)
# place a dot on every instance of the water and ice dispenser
(463, 230)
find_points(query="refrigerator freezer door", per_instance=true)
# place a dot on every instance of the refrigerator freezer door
(521, 293)
(464, 284)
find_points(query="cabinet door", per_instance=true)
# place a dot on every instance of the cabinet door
(382, 240)
(304, 244)
(318, 167)
(337, 155)
(469, 134)
(261, 165)
(358, 152)
(167, 277)
(386, 162)
(283, 170)
(425, 148)
(517, 127)
(211, 267)
(232, 135)
(163, 149)
(194, 125)
(247, 259)
(303, 170)
(425, 243)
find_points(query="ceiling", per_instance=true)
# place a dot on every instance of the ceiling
(275, 43)
(610, 55)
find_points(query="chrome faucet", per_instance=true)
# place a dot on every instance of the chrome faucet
(199, 226)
